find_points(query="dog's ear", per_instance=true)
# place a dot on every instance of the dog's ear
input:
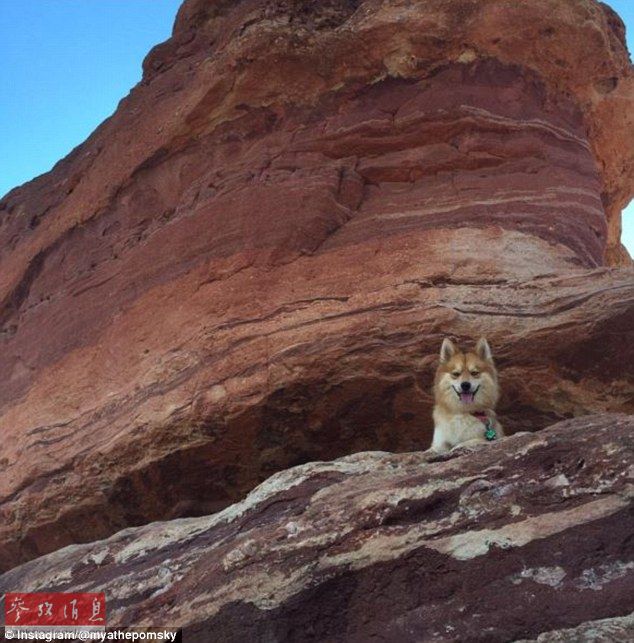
(447, 350)
(483, 350)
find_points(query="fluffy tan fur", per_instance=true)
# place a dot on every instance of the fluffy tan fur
(466, 383)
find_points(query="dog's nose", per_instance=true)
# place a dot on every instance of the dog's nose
(465, 386)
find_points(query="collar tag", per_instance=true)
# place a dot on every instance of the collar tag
(489, 433)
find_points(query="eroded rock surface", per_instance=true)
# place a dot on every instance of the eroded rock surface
(528, 535)
(252, 264)
(614, 630)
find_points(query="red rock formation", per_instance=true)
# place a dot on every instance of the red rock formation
(525, 536)
(253, 262)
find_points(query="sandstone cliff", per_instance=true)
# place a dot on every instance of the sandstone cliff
(528, 537)
(252, 263)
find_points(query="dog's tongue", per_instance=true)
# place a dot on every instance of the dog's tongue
(466, 398)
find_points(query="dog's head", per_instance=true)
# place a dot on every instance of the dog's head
(466, 382)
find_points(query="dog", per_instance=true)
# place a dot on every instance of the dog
(466, 391)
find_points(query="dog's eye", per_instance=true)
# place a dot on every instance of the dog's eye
(455, 375)
(475, 374)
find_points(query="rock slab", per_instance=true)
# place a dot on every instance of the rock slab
(529, 538)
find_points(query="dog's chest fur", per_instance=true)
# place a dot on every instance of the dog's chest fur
(453, 429)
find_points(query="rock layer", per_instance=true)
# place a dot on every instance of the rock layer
(527, 537)
(615, 630)
(253, 262)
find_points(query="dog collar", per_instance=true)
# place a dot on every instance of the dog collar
(489, 431)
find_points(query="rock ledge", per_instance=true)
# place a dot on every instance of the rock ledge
(521, 538)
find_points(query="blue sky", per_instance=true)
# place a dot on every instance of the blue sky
(67, 63)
